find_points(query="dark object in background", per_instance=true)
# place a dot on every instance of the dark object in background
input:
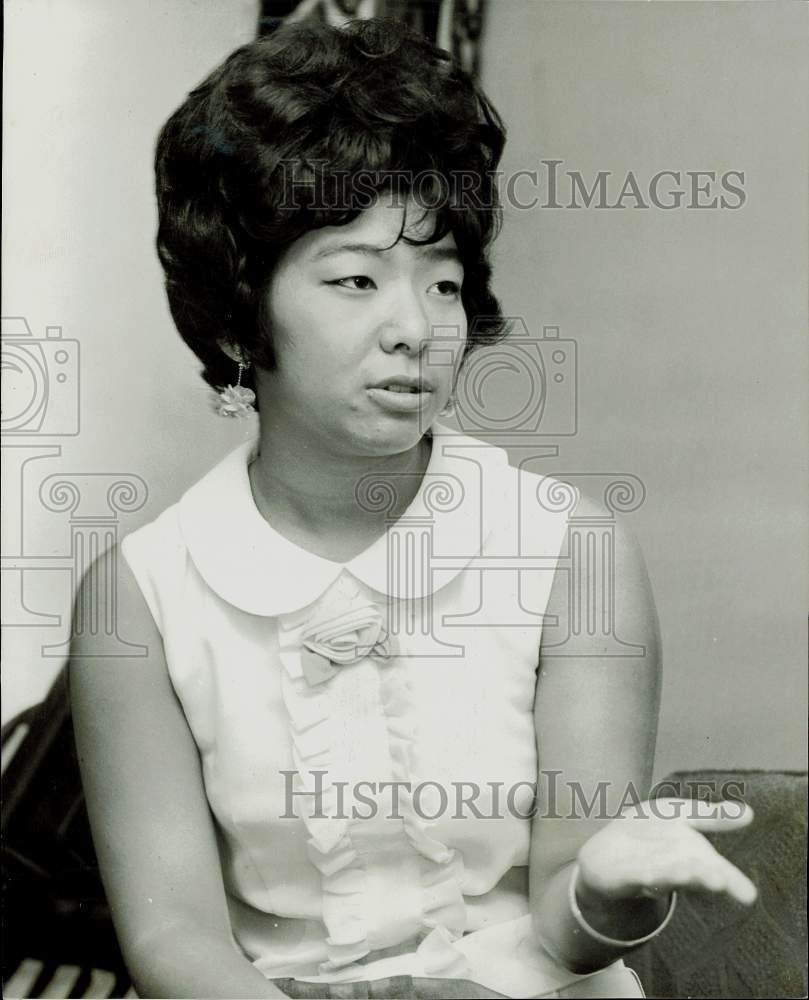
(454, 25)
(55, 911)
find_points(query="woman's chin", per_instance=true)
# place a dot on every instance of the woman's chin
(391, 436)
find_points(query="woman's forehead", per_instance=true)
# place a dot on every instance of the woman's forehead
(380, 226)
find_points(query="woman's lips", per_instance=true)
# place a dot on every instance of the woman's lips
(399, 402)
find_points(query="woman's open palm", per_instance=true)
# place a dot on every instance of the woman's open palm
(659, 846)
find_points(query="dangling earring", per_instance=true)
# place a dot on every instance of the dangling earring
(236, 400)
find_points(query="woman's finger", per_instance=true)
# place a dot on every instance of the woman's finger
(737, 884)
(713, 817)
(703, 870)
(724, 876)
(716, 817)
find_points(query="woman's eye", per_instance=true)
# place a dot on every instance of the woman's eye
(448, 288)
(363, 282)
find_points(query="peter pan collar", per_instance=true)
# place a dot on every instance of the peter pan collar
(255, 568)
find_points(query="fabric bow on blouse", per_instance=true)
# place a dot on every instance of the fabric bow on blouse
(332, 640)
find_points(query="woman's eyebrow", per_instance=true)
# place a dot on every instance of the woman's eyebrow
(334, 248)
(429, 250)
(441, 253)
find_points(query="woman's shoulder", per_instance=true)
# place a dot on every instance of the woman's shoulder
(160, 536)
(157, 552)
(519, 484)
(212, 491)
(516, 465)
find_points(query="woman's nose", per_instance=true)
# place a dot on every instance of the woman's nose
(408, 327)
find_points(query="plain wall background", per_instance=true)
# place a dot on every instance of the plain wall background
(691, 328)
(690, 325)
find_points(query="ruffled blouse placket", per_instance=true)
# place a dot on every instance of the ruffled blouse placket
(330, 735)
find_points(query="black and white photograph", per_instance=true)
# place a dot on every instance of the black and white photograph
(405, 498)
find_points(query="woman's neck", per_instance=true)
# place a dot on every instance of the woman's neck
(308, 492)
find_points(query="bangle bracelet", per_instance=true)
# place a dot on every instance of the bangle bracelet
(602, 938)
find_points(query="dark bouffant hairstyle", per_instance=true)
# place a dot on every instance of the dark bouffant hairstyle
(302, 129)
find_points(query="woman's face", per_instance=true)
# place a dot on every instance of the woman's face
(348, 315)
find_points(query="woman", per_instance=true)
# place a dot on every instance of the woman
(324, 770)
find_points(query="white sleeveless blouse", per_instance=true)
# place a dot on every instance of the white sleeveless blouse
(372, 814)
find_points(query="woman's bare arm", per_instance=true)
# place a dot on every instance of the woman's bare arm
(596, 725)
(152, 828)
